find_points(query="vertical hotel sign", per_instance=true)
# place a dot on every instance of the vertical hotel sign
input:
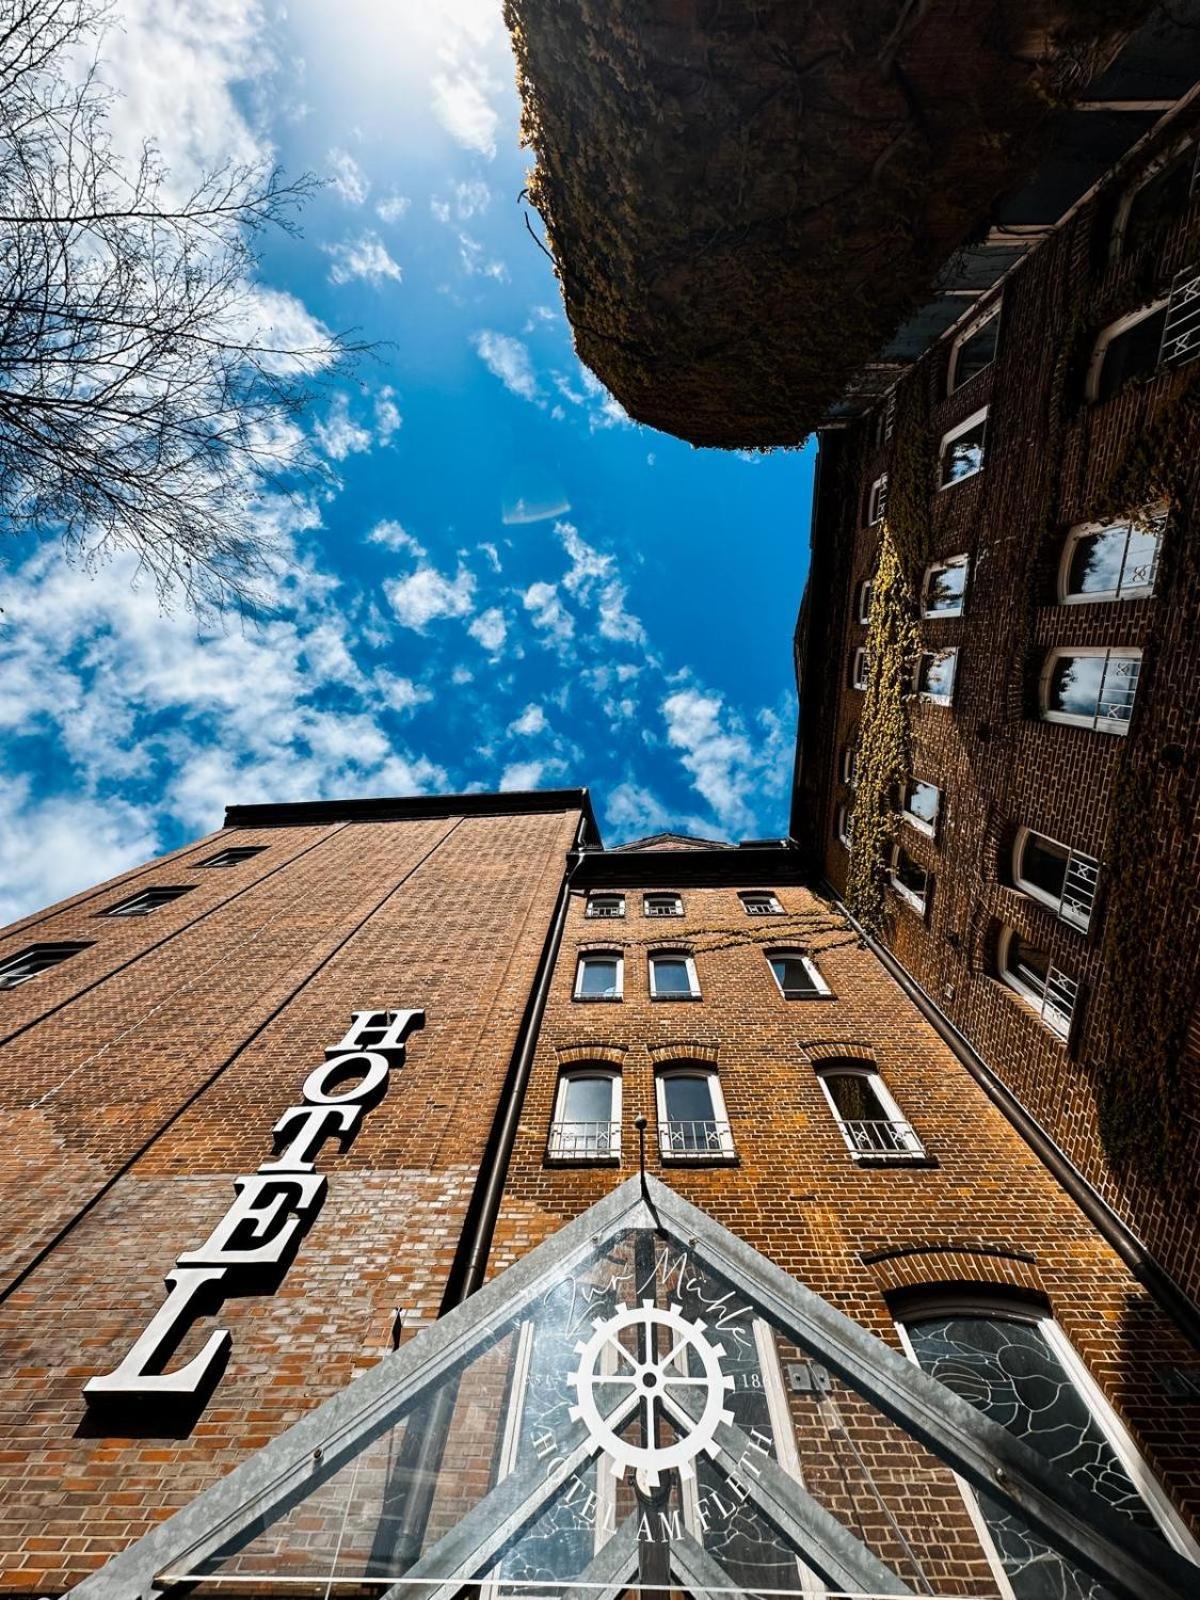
(252, 1245)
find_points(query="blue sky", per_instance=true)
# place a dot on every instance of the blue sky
(509, 585)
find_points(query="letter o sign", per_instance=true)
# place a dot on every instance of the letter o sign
(374, 1068)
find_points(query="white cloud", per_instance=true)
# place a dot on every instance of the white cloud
(722, 763)
(490, 629)
(365, 257)
(462, 675)
(508, 359)
(493, 556)
(462, 105)
(402, 694)
(532, 721)
(476, 263)
(387, 414)
(426, 595)
(393, 537)
(339, 435)
(615, 622)
(347, 177)
(392, 207)
(527, 774)
(547, 611)
(587, 563)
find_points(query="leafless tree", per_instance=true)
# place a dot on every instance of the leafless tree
(146, 401)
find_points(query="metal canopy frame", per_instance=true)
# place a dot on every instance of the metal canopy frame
(1076, 1522)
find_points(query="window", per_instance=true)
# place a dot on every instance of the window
(797, 976)
(1090, 688)
(933, 675)
(883, 421)
(27, 964)
(974, 349)
(1012, 1361)
(587, 1116)
(760, 903)
(1148, 210)
(662, 905)
(599, 976)
(1061, 878)
(143, 903)
(692, 1123)
(961, 453)
(1110, 561)
(877, 500)
(606, 905)
(869, 1119)
(1029, 970)
(234, 856)
(1126, 351)
(843, 825)
(673, 976)
(862, 607)
(944, 589)
(850, 764)
(920, 805)
(859, 667)
(909, 879)
(1181, 329)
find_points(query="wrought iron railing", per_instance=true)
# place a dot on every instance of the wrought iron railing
(1059, 996)
(707, 1140)
(1118, 689)
(875, 1137)
(584, 1141)
(1079, 890)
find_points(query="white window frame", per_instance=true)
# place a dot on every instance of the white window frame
(673, 954)
(1114, 330)
(859, 669)
(584, 956)
(587, 1069)
(662, 894)
(913, 1148)
(1062, 909)
(1036, 1002)
(943, 566)
(1116, 243)
(948, 439)
(1004, 1308)
(129, 906)
(919, 903)
(850, 763)
(862, 606)
(927, 694)
(842, 826)
(594, 899)
(786, 953)
(775, 909)
(967, 333)
(725, 1150)
(1095, 723)
(1154, 522)
(877, 500)
(929, 829)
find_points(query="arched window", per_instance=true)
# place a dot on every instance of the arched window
(1110, 560)
(1091, 687)
(1128, 350)
(1027, 969)
(871, 1122)
(1013, 1362)
(673, 976)
(692, 1121)
(797, 975)
(974, 350)
(587, 1115)
(600, 975)
(1061, 878)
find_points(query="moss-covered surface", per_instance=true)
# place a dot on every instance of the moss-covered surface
(744, 201)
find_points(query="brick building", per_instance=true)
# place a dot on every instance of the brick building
(831, 1209)
(1033, 478)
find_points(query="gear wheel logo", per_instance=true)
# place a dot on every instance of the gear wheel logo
(659, 1382)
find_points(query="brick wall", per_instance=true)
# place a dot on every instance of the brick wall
(985, 1213)
(999, 766)
(143, 1075)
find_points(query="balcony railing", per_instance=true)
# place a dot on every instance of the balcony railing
(584, 1141)
(708, 1140)
(892, 1139)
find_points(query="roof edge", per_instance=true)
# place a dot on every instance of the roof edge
(756, 866)
(414, 807)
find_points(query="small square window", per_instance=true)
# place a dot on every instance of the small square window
(945, 587)
(962, 450)
(796, 976)
(909, 879)
(27, 964)
(146, 901)
(662, 905)
(606, 905)
(933, 675)
(673, 976)
(877, 500)
(922, 803)
(843, 826)
(859, 669)
(760, 903)
(599, 976)
(234, 856)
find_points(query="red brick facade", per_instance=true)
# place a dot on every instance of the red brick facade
(1050, 457)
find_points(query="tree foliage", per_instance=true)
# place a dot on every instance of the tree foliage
(147, 401)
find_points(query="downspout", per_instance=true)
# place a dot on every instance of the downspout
(1148, 1272)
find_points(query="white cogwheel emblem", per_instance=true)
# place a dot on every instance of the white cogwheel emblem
(660, 1381)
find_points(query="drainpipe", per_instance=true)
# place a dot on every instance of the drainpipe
(1148, 1272)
